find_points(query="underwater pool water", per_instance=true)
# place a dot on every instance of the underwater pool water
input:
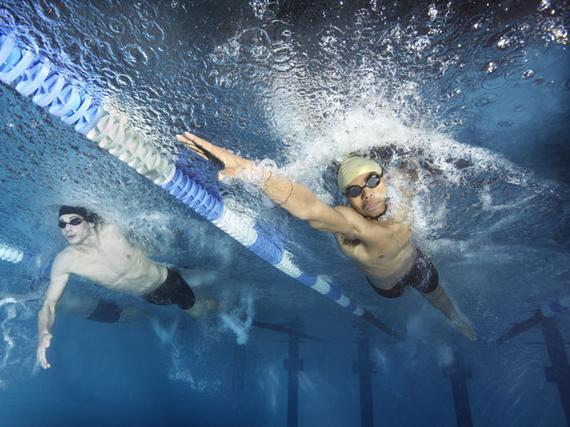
(477, 92)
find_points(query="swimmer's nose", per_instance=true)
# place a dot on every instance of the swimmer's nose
(366, 193)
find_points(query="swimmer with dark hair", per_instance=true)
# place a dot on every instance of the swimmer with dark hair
(100, 253)
(381, 246)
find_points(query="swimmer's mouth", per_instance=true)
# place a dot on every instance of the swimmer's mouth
(373, 205)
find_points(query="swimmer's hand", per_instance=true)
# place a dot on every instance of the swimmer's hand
(234, 165)
(43, 345)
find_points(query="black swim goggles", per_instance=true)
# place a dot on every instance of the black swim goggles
(372, 181)
(72, 221)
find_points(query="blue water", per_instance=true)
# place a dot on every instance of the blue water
(479, 93)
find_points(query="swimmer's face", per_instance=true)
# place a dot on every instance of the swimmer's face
(74, 228)
(371, 202)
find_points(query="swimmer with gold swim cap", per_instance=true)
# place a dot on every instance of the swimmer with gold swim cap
(382, 246)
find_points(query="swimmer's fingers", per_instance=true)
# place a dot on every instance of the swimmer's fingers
(41, 353)
(190, 144)
(212, 152)
(232, 163)
(201, 151)
(42, 357)
(201, 142)
(195, 142)
(206, 148)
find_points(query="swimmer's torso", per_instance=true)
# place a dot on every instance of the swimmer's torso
(115, 264)
(385, 252)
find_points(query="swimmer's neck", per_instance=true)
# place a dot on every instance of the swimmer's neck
(92, 242)
(378, 218)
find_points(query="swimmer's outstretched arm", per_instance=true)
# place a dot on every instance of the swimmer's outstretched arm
(297, 199)
(46, 315)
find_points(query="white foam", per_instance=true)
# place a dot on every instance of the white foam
(240, 319)
(445, 357)
(6, 330)
(164, 333)
(371, 122)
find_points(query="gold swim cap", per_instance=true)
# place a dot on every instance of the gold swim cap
(353, 167)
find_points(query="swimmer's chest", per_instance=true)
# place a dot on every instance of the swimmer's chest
(381, 243)
(113, 259)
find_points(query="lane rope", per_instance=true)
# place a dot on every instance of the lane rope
(35, 77)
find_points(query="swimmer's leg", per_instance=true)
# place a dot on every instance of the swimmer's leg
(77, 304)
(133, 313)
(440, 300)
(203, 308)
(196, 278)
(99, 309)
(201, 281)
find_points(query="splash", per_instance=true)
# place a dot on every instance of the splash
(417, 329)
(271, 384)
(445, 356)
(166, 333)
(179, 372)
(186, 354)
(9, 341)
(381, 360)
(382, 133)
(239, 320)
(16, 346)
(444, 165)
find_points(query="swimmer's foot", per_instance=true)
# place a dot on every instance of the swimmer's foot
(204, 308)
(465, 328)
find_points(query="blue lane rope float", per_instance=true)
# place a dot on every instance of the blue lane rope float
(13, 255)
(35, 77)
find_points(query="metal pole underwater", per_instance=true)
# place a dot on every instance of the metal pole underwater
(238, 367)
(294, 364)
(35, 77)
(364, 367)
(559, 371)
(458, 374)
(547, 309)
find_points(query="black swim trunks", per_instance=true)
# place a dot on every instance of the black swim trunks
(423, 276)
(174, 290)
(106, 311)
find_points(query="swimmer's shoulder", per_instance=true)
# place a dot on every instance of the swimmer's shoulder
(358, 225)
(108, 231)
(64, 261)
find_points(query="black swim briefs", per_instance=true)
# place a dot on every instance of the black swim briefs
(174, 290)
(106, 311)
(423, 276)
